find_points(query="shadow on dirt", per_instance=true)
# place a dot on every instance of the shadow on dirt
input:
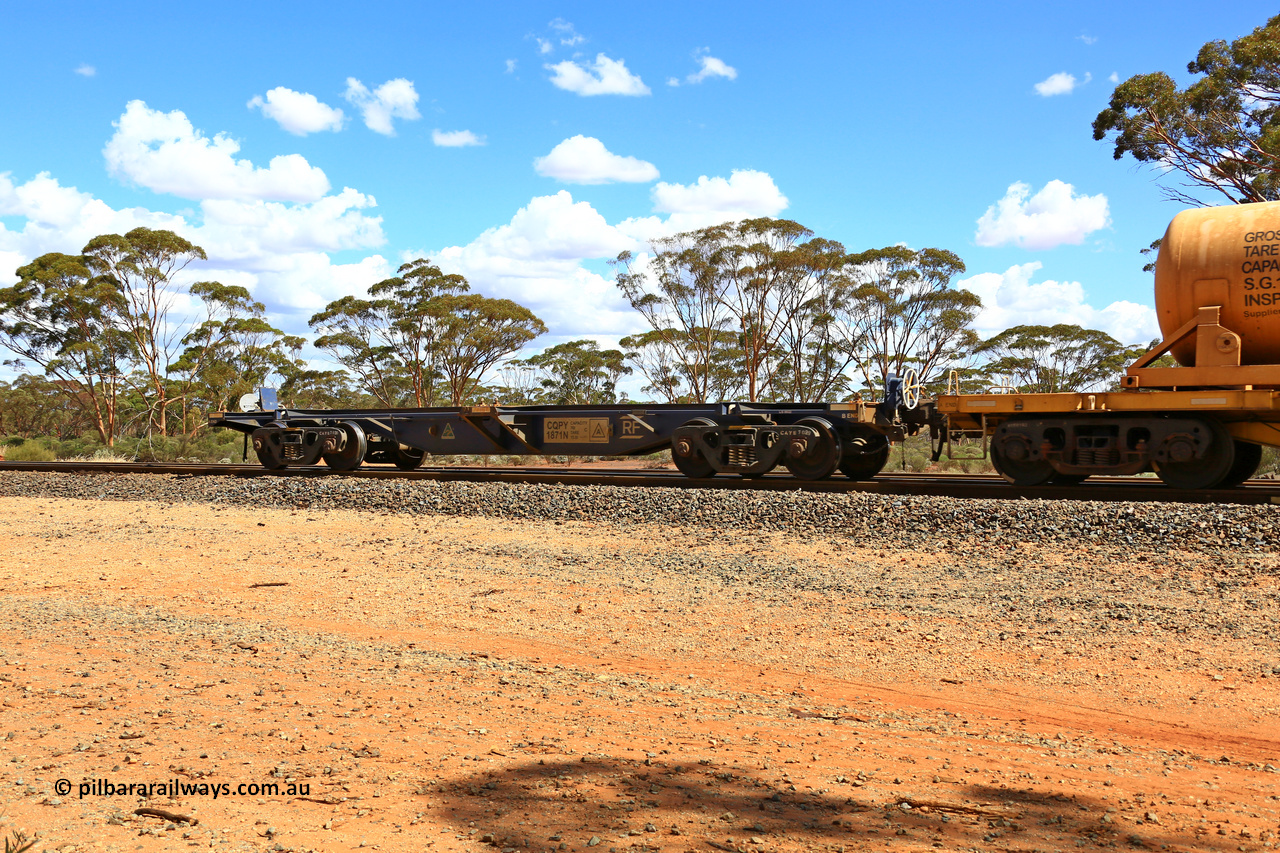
(560, 804)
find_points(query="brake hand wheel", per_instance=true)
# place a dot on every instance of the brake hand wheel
(912, 388)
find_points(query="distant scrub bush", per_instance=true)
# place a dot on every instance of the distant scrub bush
(30, 451)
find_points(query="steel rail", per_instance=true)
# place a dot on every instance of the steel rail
(991, 486)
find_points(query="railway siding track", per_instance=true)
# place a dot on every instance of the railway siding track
(985, 486)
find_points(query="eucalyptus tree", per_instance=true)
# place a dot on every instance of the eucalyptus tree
(1221, 133)
(764, 276)
(352, 330)
(676, 292)
(577, 373)
(412, 315)
(32, 406)
(763, 281)
(64, 320)
(820, 332)
(908, 313)
(1046, 359)
(653, 354)
(229, 353)
(144, 266)
(306, 388)
(669, 377)
(421, 330)
(475, 333)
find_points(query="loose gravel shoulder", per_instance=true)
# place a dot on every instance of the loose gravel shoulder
(480, 667)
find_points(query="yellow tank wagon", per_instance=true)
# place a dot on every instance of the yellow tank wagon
(1201, 424)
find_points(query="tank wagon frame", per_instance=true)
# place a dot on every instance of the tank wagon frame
(1200, 424)
(1193, 439)
(812, 440)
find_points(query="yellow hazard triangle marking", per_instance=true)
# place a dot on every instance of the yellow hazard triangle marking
(448, 431)
(598, 432)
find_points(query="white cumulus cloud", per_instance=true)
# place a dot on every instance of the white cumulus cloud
(1011, 298)
(164, 153)
(86, 70)
(1061, 83)
(709, 201)
(536, 260)
(455, 138)
(60, 219)
(584, 160)
(241, 229)
(393, 99)
(299, 113)
(511, 66)
(1052, 217)
(603, 77)
(544, 257)
(711, 67)
(280, 252)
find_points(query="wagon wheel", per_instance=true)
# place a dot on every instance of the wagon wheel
(911, 389)
(1021, 472)
(350, 457)
(1248, 458)
(821, 455)
(866, 452)
(268, 460)
(266, 457)
(693, 464)
(407, 458)
(1214, 468)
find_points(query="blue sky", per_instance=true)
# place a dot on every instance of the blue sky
(525, 144)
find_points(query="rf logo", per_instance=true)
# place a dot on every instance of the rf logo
(630, 428)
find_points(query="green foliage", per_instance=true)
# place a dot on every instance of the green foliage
(750, 294)
(206, 446)
(229, 354)
(577, 373)
(476, 332)
(420, 333)
(35, 405)
(354, 331)
(908, 313)
(1048, 359)
(915, 454)
(142, 267)
(1270, 463)
(670, 378)
(1220, 133)
(30, 451)
(762, 309)
(320, 389)
(63, 320)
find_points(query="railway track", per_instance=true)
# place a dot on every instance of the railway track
(1139, 489)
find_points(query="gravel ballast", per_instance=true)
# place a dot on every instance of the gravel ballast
(862, 518)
